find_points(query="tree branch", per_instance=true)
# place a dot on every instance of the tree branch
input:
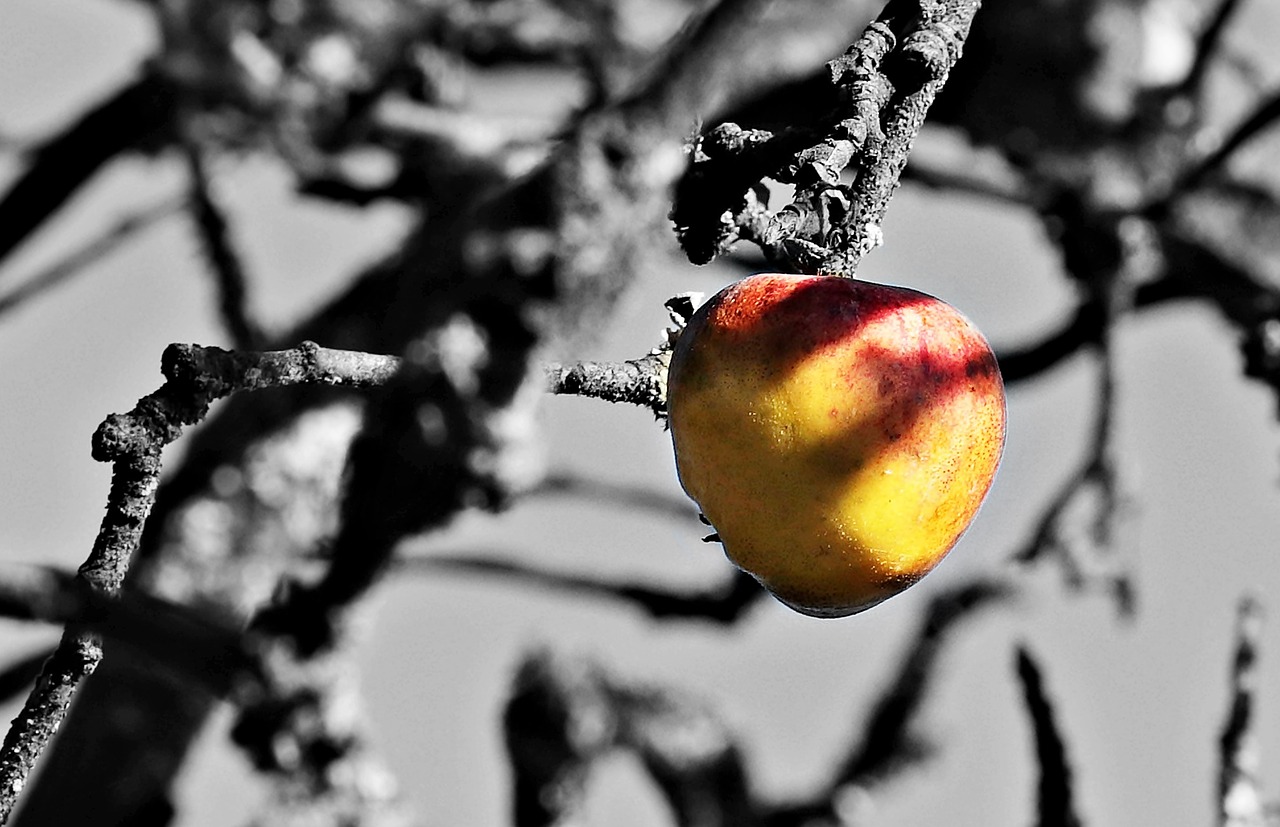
(132, 442)
(1208, 47)
(888, 744)
(1240, 802)
(725, 604)
(924, 61)
(223, 258)
(130, 119)
(888, 79)
(1264, 115)
(1054, 807)
(640, 381)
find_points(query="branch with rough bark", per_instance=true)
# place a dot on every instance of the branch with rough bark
(886, 82)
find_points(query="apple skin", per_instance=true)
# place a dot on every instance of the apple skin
(839, 435)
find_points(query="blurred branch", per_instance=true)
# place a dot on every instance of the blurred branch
(17, 677)
(88, 254)
(1054, 806)
(1097, 486)
(1208, 47)
(311, 736)
(967, 179)
(1083, 329)
(210, 655)
(130, 119)
(1111, 283)
(1240, 802)
(562, 715)
(1264, 115)
(222, 256)
(726, 604)
(690, 753)
(303, 726)
(521, 32)
(468, 137)
(44, 594)
(889, 744)
(695, 75)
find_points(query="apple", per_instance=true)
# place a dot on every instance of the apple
(838, 435)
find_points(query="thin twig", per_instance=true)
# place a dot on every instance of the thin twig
(724, 604)
(640, 381)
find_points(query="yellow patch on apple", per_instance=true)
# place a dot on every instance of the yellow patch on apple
(839, 435)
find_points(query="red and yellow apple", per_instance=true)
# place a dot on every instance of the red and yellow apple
(838, 435)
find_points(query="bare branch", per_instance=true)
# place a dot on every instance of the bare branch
(1082, 330)
(223, 257)
(132, 442)
(640, 381)
(1208, 47)
(726, 604)
(1099, 485)
(926, 57)
(128, 120)
(565, 714)
(1264, 115)
(1240, 801)
(1055, 806)
(888, 79)
(888, 744)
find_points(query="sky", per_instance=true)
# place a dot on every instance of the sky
(1140, 702)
